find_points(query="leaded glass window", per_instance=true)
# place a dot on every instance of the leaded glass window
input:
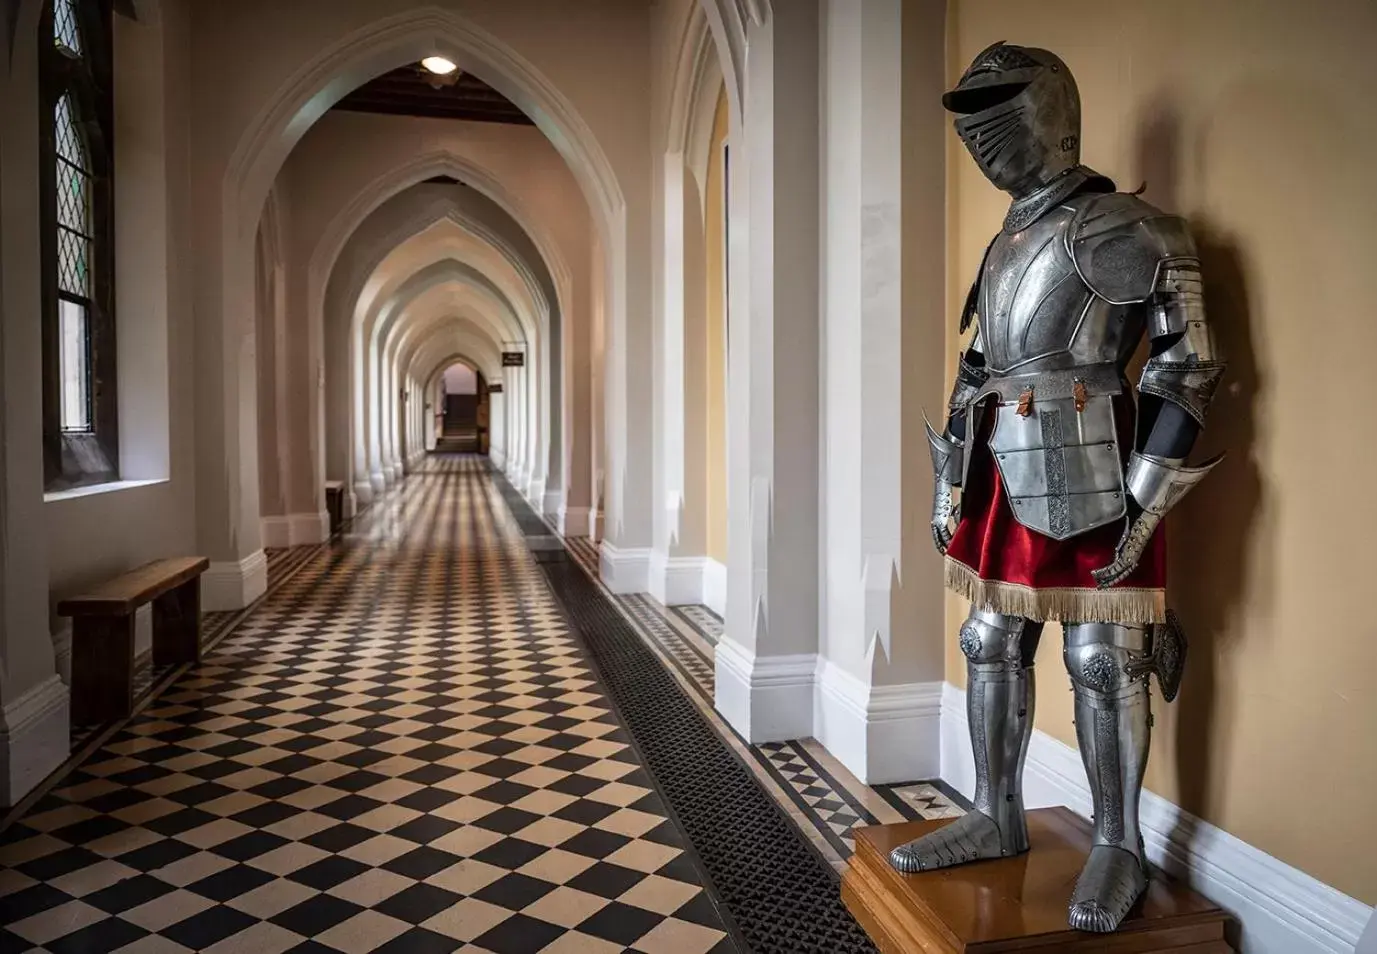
(79, 407)
(66, 28)
(73, 203)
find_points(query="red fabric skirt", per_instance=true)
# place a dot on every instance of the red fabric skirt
(1000, 564)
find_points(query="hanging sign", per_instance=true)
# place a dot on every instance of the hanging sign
(495, 388)
(513, 359)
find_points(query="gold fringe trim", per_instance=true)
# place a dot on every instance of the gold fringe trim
(1066, 603)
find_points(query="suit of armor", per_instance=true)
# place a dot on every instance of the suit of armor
(1063, 479)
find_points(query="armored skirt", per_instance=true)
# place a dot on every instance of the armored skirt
(997, 563)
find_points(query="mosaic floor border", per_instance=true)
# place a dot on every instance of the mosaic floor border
(825, 799)
(782, 893)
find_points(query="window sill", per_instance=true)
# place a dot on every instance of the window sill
(92, 490)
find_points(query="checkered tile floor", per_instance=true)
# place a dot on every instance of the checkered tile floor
(402, 749)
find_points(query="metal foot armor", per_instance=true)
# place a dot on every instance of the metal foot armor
(1113, 727)
(971, 837)
(1109, 884)
(999, 702)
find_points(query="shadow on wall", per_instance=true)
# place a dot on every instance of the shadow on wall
(1212, 533)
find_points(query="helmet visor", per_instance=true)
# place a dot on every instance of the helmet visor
(974, 99)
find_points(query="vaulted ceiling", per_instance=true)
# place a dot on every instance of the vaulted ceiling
(411, 91)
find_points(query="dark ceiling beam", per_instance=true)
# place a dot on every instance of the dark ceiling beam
(408, 92)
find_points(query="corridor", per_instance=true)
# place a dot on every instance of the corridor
(403, 749)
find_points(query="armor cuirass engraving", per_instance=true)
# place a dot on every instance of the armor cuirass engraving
(1045, 333)
(1035, 306)
(1033, 298)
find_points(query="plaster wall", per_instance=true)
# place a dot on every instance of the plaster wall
(1256, 122)
(153, 518)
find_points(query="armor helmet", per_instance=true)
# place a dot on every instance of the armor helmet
(1019, 113)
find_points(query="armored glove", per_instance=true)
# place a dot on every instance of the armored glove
(945, 513)
(1154, 485)
(1130, 549)
(947, 458)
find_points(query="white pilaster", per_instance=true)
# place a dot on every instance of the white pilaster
(234, 585)
(883, 329)
(35, 737)
(625, 569)
(764, 684)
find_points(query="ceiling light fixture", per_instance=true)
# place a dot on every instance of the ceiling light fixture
(438, 65)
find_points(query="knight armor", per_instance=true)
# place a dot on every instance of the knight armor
(1049, 453)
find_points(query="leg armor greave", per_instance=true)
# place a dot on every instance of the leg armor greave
(1113, 725)
(999, 654)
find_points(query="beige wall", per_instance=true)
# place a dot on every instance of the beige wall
(1255, 119)
(714, 229)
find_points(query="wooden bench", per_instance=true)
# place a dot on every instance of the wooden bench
(334, 503)
(103, 632)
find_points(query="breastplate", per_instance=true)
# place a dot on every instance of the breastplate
(1036, 311)
(1055, 352)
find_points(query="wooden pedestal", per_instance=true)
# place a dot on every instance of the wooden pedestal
(1013, 904)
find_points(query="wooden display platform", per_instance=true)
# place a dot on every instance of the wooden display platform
(1013, 904)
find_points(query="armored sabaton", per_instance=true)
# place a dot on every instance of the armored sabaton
(1042, 428)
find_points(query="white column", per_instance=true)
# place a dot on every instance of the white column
(881, 671)
(360, 428)
(536, 440)
(575, 408)
(765, 663)
(376, 405)
(33, 698)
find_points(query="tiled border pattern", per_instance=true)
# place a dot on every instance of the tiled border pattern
(821, 795)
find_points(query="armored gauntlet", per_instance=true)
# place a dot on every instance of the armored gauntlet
(948, 455)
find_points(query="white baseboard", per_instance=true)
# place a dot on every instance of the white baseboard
(305, 529)
(596, 526)
(534, 492)
(234, 585)
(624, 570)
(1280, 909)
(764, 698)
(883, 734)
(276, 531)
(715, 586)
(35, 737)
(551, 503)
(677, 581)
(572, 521)
(364, 493)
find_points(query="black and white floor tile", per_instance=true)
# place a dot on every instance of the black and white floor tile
(401, 749)
(825, 799)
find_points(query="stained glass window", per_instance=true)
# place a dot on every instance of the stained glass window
(66, 31)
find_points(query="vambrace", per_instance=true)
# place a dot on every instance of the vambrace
(1156, 484)
(1188, 370)
(970, 378)
(948, 455)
